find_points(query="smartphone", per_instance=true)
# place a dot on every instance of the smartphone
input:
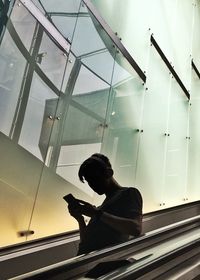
(70, 199)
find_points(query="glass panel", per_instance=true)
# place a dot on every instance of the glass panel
(151, 157)
(68, 72)
(196, 36)
(69, 163)
(83, 110)
(71, 6)
(39, 5)
(24, 23)
(193, 190)
(86, 39)
(176, 157)
(96, 63)
(126, 20)
(65, 24)
(19, 178)
(36, 118)
(11, 74)
(120, 141)
(51, 215)
(93, 82)
(182, 34)
(51, 60)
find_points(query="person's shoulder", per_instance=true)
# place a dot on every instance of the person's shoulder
(133, 192)
(133, 197)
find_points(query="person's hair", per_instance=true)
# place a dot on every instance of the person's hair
(96, 161)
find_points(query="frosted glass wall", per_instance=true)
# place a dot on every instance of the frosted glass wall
(168, 149)
(58, 108)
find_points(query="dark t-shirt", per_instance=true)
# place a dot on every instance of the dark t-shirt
(126, 203)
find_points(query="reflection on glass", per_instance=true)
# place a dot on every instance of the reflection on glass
(11, 73)
(120, 140)
(24, 23)
(70, 6)
(36, 119)
(96, 63)
(51, 60)
(86, 39)
(87, 83)
(70, 159)
(65, 24)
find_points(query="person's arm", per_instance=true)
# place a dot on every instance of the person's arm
(123, 225)
(82, 227)
(74, 212)
(130, 224)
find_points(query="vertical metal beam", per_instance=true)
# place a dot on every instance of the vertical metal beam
(26, 86)
(62, 110)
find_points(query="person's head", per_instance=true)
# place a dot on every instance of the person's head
(97, 171)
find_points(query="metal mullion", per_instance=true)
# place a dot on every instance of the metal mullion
(60, 40)
(116, 40)
(7, 8)
(27, 86)
(63, 14)
(82, 56)
(170, 67)
(88, 68)
(79, 142)
(63, 106)
(17, 40)
(195, 68)
(47, 81)
(41, 74)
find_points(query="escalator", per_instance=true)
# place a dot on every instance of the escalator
(170, 248)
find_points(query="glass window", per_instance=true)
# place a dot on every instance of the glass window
(39, 115)
(86, 39)
(152, 147)
(39, 5)
(65, 24)
(24, 23)
(120, 141)
(70, 6)
(11, 75)
(176, 154)
(70, 160)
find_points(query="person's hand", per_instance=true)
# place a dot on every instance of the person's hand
(87, 209)
(75, 212)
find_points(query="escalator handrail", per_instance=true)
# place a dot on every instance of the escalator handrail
(94, 256)
(148, 266)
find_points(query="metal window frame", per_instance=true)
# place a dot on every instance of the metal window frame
(170, 67)
(195, 68)
(47, 25)
(116, 40)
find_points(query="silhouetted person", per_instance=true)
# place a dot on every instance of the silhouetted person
(119, 216)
